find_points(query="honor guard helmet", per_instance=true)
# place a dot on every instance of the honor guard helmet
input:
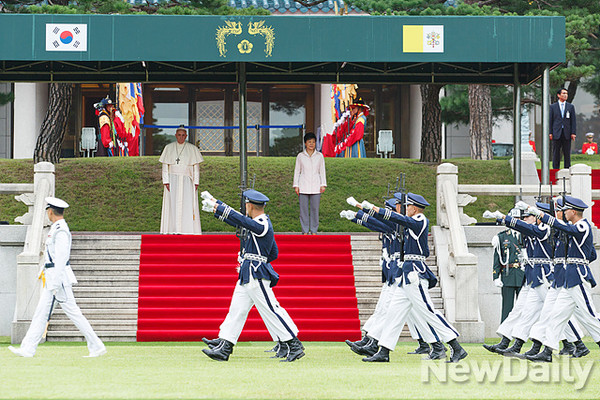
(545, 207)
(391, 203)
(56, 203)
(574, 203)
(255, 197)
(416, 200)
(559, 204)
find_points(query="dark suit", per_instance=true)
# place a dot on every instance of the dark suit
(562, 126)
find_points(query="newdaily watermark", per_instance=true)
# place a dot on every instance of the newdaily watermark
(508, 370)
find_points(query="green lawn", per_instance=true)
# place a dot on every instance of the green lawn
(125, 194)
(328, 371)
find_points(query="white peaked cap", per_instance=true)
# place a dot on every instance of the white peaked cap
(55, 202)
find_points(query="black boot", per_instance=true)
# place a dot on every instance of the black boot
(568, 348)
(382, 355)
(282, 350)
(457, 353)
(275, 349)
(514, 349)
(544, 356)
(535, 348)
(296, 350)
(359, 343)
(498, 346)
(221, 352)
(212, 343)
(438, 351)
(580, 349)
(422, 349)
(371, 348)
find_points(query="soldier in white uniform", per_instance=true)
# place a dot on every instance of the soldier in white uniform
(59, 279)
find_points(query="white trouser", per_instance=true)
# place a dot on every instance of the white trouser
(413, 297)
(40, 318)
(572, 331)
(376, 323)
(257, 293)
(506, 327)
(531, 313)
(380, 308)
(574, 301)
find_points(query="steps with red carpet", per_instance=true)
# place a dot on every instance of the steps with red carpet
(186, 283)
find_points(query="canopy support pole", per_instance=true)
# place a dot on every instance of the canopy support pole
(517, 126)
(243, 132)
(546, 126)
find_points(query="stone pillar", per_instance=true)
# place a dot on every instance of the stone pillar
(581, 186)
(30, 107)
(31, 259)
(462, 265)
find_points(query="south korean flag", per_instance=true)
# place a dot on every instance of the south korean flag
(66, 37)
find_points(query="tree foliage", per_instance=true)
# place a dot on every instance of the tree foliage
(6, 98)
(173, 7)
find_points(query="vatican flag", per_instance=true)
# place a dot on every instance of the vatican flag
(423, 38)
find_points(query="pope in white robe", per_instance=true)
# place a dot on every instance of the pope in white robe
(180, 175)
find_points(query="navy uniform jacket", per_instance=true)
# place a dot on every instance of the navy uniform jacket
(416, 247)
(390, 245)
(560, 125)
(580, 250)
(259, 249)
(540, 260)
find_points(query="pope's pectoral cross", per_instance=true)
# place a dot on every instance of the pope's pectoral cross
(177, 159)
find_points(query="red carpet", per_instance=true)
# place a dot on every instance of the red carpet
(595, 185)
(186, 283)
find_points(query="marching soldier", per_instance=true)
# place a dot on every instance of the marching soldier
(59, 279)
(507, 270)
(415, 278)
(574, 297)
(256, 280)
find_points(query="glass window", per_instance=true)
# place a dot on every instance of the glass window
(286, 107)
(167, 114)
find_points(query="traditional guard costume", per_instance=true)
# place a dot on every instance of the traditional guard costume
(411, 294)
(58, 279)
(256, 280)
(573, 297)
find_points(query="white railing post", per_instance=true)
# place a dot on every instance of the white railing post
(581, 186)
(31, 259)
(460, 269)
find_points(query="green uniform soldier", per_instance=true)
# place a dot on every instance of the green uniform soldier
(507, 270)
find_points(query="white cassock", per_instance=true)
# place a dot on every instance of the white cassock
(181, 170)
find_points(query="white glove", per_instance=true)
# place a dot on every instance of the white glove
(489, 214)
(208, 205)
(521, 205)
(366, 205)
(534, 211)
(498, 215)
(348, 214)
(206, 196)
(498, 282)
(111, 145)
(346, 114)
(352, 201)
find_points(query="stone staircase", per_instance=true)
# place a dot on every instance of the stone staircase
(107, 268)
(366, 251)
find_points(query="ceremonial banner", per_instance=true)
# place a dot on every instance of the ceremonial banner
(66, 37)
(423, 38)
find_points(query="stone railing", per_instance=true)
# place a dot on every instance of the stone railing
(30, 260)
(457, 265)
